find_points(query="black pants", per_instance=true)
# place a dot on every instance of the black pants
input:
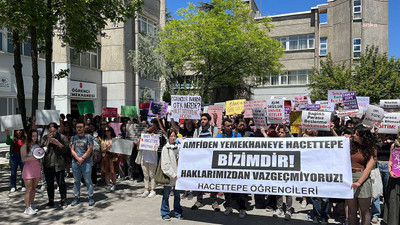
(239, 198)
(94, 173)
(49, 174)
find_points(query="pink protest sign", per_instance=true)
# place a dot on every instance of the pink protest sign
(248, 105)
(215, 111)
(116, 127)
(396, 162)
(300, 100)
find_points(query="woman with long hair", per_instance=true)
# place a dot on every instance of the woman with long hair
(15, 143)
(169, 166)
(363, 151)
(109, 163)
(32, 170)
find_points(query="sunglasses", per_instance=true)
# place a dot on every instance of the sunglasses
(108, 130)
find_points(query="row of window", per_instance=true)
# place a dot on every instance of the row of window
(146, 26)
(144, 75)
(297, 42)
(357, 10)
(297, 77)
(6, 43)
(87, 59)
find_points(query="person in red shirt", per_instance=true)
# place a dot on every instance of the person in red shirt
(15, 143)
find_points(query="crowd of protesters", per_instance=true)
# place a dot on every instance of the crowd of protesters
(83, 145)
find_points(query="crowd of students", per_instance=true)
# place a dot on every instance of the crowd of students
(84, 144)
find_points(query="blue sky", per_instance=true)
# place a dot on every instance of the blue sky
(273, 7)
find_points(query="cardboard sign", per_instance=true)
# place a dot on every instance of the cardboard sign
(396, 161)
(110, 112)
(11, 122)
(326, 106)
(363, 102)
(223, 105)
(85, 107)
(295, 120)
(215, 111)
(185, 107)
(275, 111)
(390, 124)
(149, 142)
(316, 120)
(122, 146)
(45, 117)
(344, 113)
(116, 127)
(129, 111)
(259, 118)
(158, 109)
(235, 106)
(243, 165)
(248, 105)
(390, 104)
(287, 114)
(373, 115)
(335, 96)
(313, 107)
(300, 100)
(134, 131)
(350, 100)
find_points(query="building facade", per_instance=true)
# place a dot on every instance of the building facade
(343, 28)
(104, 75)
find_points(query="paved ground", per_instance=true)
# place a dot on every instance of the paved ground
(125, 207)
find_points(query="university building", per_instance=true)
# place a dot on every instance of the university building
(343, 28)
(104, 75)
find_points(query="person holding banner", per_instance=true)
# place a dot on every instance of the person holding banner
(363, 151)
(169, 166)
(15, 142)
(206, 131)
(109, 163)
(392, 202)
(32, 170)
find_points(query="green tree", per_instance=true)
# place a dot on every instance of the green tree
(373, 74)
(330, 77)
(222, 45)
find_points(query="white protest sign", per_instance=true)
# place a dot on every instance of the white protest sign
(363, 102)
(223, 105)
(149, 142)
(335, 96)
(259, 117)
(168, 113)
(316, 120)
(373, 115)
(273, 166)
(44, 117)
(344, 113)
(390, 124)
(11, 122)
(390, 104)
(122, 146)
(326, 106)
(185, 107)
(205, 109)
(275, 111)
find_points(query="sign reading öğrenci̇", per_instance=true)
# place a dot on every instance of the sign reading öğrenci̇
(272, 166)
(185, 107)
(83, 90)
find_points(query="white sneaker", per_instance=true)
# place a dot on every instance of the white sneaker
(34, 208)
(12, 190)
(112, 187)
(242, 213)
(152, 194)
(23, 189)
(42, 188)
(145, 194)
(228, 211)
(30, 211)
(278, 213)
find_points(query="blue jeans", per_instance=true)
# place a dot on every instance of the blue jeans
(15, 160)
(375, 206)
(165, 203)
(85, 170)
(320, 209)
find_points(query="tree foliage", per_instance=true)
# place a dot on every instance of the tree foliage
(374, 75)
(222, 45)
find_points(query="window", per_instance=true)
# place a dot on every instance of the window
(86, 59)
(357, 10)
(10, 47)
(147, 26)
(297, 42)
(356, 47)
(1, 40)
(296, 77)
(25, 47)
(323, 46)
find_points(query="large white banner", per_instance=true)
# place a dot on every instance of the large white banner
(11, 122)
(390, 124)
(313, 167)
(316, 120)
(44, 117)
(185, 107)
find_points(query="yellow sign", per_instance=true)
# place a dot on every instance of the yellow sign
(235, 106)
(295, 120)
